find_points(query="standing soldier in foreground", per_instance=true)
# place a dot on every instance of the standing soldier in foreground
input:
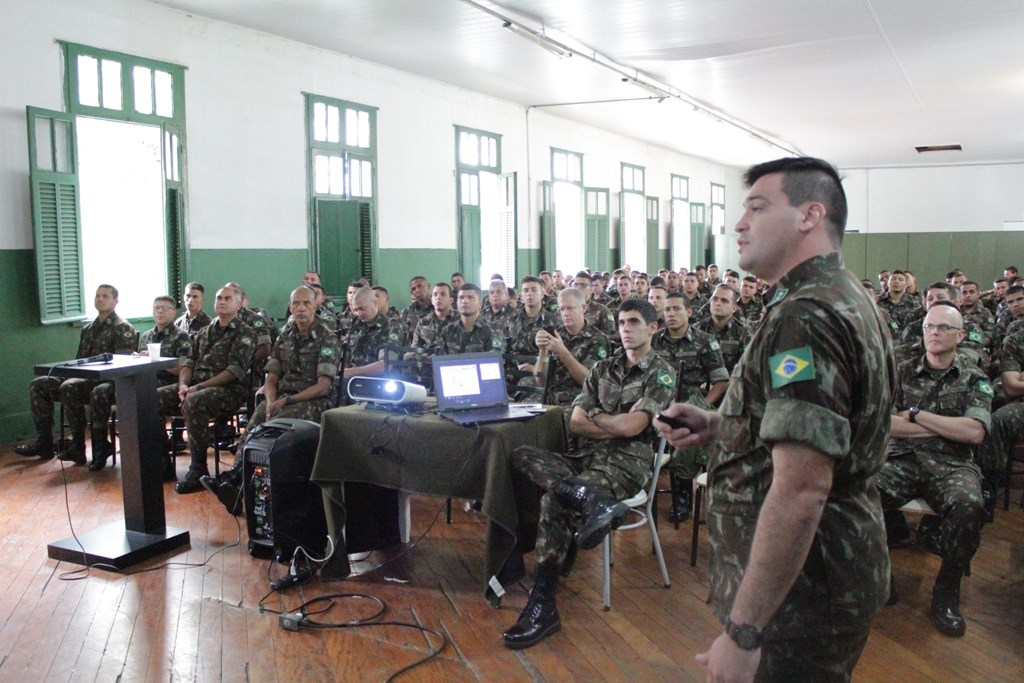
(799, 565)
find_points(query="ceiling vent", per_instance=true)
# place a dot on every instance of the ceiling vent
(939, 148)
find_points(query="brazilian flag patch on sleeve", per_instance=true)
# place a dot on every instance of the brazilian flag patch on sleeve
(986, 388)
(975, 336)
(795, 365)
(666, 379)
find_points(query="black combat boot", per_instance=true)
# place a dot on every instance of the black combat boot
(75, 452)
(929, 534)
(945, 611)
(42, 446)
(897, 531)
(682, 500)
(227, 487)
(539, 618)
(570, 559)
(601, 514)
(101, 450)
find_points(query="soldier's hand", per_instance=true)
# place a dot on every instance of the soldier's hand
(693, 427)
(727, 663)
(274, 406)
(542, 339)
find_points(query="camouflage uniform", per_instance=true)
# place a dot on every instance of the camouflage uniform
(428, 327)
(174, 343)
(911, 344)
(900, 312)
(327, 316)
(482, 337)
(819, 372)
(522, 330)
(113, 335)
(732, 339)
(610, 467)
(498, 319)
(414, 312)
(599, 317)
(216, 349)
(589, 347)
(752, 309)
(369, 342)
(260, 323)
(1008, 421)
(549, 302)
(345, 320)
(697, 358)
(193, 326)
(940, 470)
(299, 360)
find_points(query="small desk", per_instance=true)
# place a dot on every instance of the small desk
(431, 455)
(144, 532)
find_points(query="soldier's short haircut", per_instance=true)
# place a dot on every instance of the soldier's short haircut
(1014, 290)
(497, 281)
(691, 275)
(316, 286)
(414, 278)
(751, 279)
(644, 308)
(657, 281)
(628, 278)
(378, 288)
(659, 286)
(998, 280)
(886, 272)
(166, 299)
(363, 294)
(698, 267)
(196, 286)
(897, 272)
(1012, 269)
(806, 179)
(357, 284)
(237, 289)
(472, 287)
(968, 282)
(639, 276)
(458, 274)
(531, 278)
(544, 272)
(304, 287)
(583, 274)
(712, 265)
(950, 289)
(445, 285)
(619, 271)
(868, 285)
(951, 304)
(727, 288)
(497, 276)
(112, 288)
(575, 295)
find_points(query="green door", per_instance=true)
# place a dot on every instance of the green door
(339, 244)
(469, 242)
(698, 236)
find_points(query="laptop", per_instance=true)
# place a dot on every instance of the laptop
(471, 390)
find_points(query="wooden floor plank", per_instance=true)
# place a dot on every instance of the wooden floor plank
(204, 623)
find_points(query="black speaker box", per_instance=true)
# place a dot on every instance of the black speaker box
(283, 509)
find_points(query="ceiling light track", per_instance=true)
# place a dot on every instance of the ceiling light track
(659, 92)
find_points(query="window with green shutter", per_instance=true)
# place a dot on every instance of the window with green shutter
(597, 223)
(679, 237)
(632, 246)
(653, 237)
(483, 194)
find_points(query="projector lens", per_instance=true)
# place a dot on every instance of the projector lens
(390, 387)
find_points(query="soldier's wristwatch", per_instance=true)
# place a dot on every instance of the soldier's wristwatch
(746, 636)
(912, 414)
(288, 400)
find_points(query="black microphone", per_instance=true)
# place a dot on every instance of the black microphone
(102, 358)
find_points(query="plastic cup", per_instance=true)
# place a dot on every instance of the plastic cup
(154, 351)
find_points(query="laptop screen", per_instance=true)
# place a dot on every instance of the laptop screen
(469, 380)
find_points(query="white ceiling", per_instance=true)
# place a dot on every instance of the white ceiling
(858, 82)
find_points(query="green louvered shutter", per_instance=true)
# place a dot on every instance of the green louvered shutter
(596, 228)
(547, 226)
(652, 236)
(507, 222)
(366, 240)
(56, 214)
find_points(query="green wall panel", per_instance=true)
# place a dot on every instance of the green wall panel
(1009, 252)
(885, 252)
(24, 341)
(527, 263)
(394, 267)
(267, 275)
(927, 257)
(854, 245)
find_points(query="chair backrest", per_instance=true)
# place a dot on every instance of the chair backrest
(526, 384)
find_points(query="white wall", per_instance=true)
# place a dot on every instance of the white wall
(935, 198)
(245, 135)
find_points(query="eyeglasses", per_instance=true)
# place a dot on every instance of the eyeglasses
(943, 328)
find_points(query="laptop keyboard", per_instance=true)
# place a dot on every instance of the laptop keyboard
(485, 413)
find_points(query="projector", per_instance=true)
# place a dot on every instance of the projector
(384, 390)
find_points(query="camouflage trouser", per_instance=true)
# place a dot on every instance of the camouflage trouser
(74, 394)
(600, 472)
(303, 410)
(1007, 430)
(199, 409)
(952, 490)
(825, 659)
(687, 464)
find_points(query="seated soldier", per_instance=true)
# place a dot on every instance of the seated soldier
(299, 384)
(174, 343)
(941, 410)
(259, 320)
(194, 318)
(420, 306)
(724, 326)
(911, 344)
(107, 333)
(1007, 422)
(597, 314)
(656, 295)
(529, 318)
(583, 490)
(384, 302)
(697, 358)
(442, 313)
(576, 344)
(470, 333)
(497, 309)
(372, 336)
(212, 381)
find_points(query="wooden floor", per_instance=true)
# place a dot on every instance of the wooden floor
(204, 623)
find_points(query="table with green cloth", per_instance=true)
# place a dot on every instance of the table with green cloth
(425, 453)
